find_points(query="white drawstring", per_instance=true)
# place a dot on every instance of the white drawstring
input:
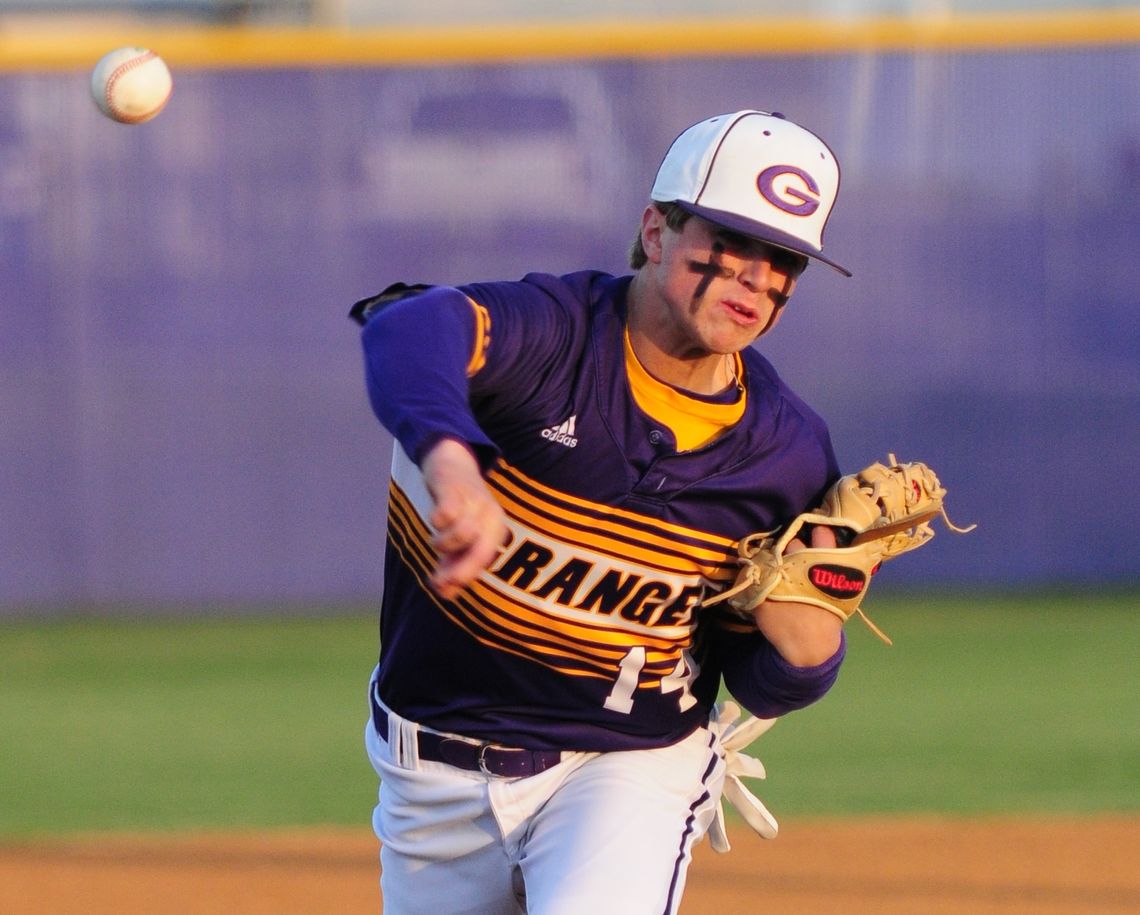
(734, 738)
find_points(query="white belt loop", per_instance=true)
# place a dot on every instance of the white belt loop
(402, 742)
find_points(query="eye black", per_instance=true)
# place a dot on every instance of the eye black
(788, 262)
(782, 260)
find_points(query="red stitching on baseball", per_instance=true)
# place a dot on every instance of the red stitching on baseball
(120, 70)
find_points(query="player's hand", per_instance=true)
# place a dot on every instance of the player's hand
(804, 635)
(470, 525)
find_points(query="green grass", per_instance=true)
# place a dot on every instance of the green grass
(175, 725)
(983, 705)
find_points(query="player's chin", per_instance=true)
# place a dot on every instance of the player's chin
(731, 338)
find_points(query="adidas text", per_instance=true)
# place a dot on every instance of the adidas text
(563, 434)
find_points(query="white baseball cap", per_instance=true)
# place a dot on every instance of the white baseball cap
(756, 173)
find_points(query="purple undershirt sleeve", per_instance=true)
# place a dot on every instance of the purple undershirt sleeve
(761, 680)
(416, 353)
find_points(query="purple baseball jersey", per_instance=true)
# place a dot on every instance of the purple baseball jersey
(586, 633)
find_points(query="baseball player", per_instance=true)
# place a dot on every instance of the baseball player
(576, 457)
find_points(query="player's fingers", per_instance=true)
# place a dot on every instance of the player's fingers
(467, 519)
(454, 481)
(453, 523)
(467, 546)
(823, 537)
(455, 571)
(469, 523)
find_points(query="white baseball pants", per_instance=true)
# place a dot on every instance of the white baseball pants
(597, 833)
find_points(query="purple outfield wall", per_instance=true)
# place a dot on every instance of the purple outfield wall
(182, 415)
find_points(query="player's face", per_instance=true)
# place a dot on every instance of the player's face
(718, 290)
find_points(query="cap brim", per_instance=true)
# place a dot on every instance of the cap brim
(758, 230)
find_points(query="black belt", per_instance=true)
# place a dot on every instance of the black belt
(490, 759)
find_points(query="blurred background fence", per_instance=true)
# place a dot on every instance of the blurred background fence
(182, 415)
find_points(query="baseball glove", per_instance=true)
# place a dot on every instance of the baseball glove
(877, 514)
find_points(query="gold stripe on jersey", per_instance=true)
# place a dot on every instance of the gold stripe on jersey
(581, 534)
(693, 422)
(577, 612)
(408, 536)
(572, 639)
(576, 651)
(608, 641)
(412, 536)
(482, 338)
(712, 541)
(614, 531)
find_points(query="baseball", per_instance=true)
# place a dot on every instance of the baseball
(131, 85)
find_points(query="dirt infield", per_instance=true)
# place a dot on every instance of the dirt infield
(852, 867)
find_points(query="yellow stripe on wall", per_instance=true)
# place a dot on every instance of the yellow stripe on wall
(55, 47)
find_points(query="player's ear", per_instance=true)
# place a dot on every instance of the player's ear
(652, 229)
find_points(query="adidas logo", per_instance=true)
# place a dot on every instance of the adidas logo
(563, 434)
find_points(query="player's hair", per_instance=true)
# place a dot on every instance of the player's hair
(675, 218)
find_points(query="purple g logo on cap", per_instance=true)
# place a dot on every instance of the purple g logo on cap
(757, 174)
(790, 199)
